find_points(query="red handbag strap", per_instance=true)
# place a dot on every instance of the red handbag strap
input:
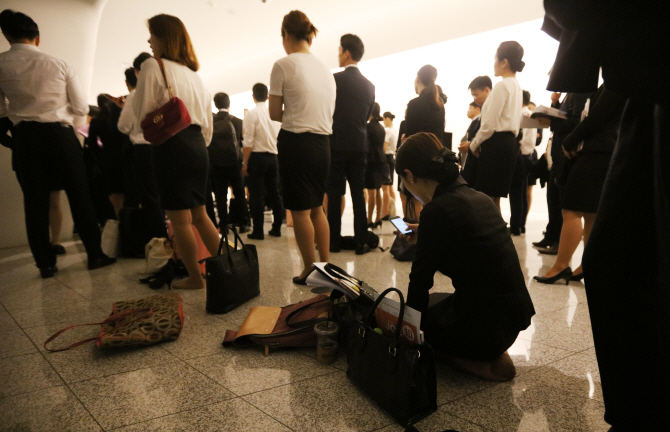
(167, 83)
(110, 318)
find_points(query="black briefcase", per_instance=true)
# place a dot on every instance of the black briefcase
(400, 379)
(232, 276)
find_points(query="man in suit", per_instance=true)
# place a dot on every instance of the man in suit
(480, 88)
(226, 165)
(348, 143)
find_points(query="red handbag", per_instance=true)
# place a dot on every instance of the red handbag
(168, 120)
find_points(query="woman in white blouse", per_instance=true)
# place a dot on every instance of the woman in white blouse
(302, 98)
(495, 144)
(181, 161)
(390, 140)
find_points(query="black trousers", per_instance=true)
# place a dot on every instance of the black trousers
(222, 178)
(45, 151)
(347, 167)
(146, 189)
(627, 274)
(518, 194)
(554, 194)
(263, 182)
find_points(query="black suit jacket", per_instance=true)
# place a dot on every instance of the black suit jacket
(222, 150)
(463, 236)
(353, 106)
(423, 115)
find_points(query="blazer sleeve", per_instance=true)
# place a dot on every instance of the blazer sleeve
(599, 114)
(412, 118)
(429, 256)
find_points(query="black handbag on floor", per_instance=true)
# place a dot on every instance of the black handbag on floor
(233, 276)
(400, 379)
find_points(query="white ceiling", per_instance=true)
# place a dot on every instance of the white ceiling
(237, 41)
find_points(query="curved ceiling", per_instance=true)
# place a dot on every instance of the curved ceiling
(237, 41)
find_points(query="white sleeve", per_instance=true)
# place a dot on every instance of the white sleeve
(277, 78)
(249, 129)
(75, 94)
(493, 108)
(127, 117)
(3, 105)
(145, 100)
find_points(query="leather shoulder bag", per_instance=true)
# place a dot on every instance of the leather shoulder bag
(168, 120)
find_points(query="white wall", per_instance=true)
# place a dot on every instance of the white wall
(68, 30)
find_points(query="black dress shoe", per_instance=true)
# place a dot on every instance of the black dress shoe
(275, 233)
(553, 250)
(362, 249)
(243, 229)
(523, 230)
(298, 281)
(577, 277)
(256, 236)
(100, 262)
(48, 272)
(564, 275)
(543, 244)
(515, 231)
(58, 249)
(386, 218)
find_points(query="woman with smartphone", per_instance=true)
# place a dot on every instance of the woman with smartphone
(463, 236)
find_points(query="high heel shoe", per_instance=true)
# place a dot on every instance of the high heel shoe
(565, 275)
(577, 277)
(371, 225)
(378, 224)
(164, 276)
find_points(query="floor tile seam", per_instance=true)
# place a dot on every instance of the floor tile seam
(544, 342)
(211, 379)
(312, 358)
(177, 359)
(442, 408)
(290, 383)
(469, 394)
(267, 414)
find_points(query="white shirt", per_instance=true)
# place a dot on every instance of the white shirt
(529, 135)
(128, 123)
(501, 111)
(308, 89)
(260, 132)
(151, 93)
(391, 138)
(38, 87)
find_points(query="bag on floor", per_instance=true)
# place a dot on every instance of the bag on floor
(290, 326)
(140, 322)
(233, 276)
(403, 250)
(158, 252)
(109, 241)
(401, 379)
(349, 242)
(132, 233)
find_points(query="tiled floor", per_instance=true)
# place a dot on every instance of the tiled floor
(193, 384)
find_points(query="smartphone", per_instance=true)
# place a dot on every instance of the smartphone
(401, 225)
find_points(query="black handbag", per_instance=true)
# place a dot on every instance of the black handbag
(400, 379)
(233, 276)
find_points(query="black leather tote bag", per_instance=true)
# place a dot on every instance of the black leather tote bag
(233, 276)
(400, 379)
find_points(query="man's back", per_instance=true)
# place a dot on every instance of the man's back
(353, 105)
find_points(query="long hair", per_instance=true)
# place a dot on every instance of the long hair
(175, 40)
(427, 75)
(425, 156)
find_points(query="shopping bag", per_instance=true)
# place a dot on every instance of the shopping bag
(157, 252)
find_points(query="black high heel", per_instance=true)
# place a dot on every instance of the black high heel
(371, 225)
(378, 224)
(565, 275)
(164, 276)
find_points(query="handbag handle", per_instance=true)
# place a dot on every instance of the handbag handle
(224, 240)
(306, 323)
(401, 314)
(167, 83)
(110, 318)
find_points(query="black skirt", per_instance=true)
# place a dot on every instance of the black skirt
(374, 174)
(585, 182)
(388, 176)
(304, 166)
(496, 163)
(182, 167)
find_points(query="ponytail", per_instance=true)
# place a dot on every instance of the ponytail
(427, 158)
(427, 75)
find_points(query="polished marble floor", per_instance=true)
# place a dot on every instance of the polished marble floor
(193, 384)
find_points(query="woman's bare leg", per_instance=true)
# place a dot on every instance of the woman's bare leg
(308, 225)
(372, 200)
(185, 241)
(206, 229)
(378, 204)
(117, 202)
(530, 198)
(385, 200)
(589, 219)
(55, 217)
(571, 235)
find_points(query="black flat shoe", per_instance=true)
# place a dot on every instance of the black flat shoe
(58, 249)
(275, 233)
(577, 277)
(564, 275)
(48, 272)
(256, 236)
(100, 262)
(298, 281)
(552, 250)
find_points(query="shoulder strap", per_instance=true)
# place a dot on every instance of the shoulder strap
(167, 84)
